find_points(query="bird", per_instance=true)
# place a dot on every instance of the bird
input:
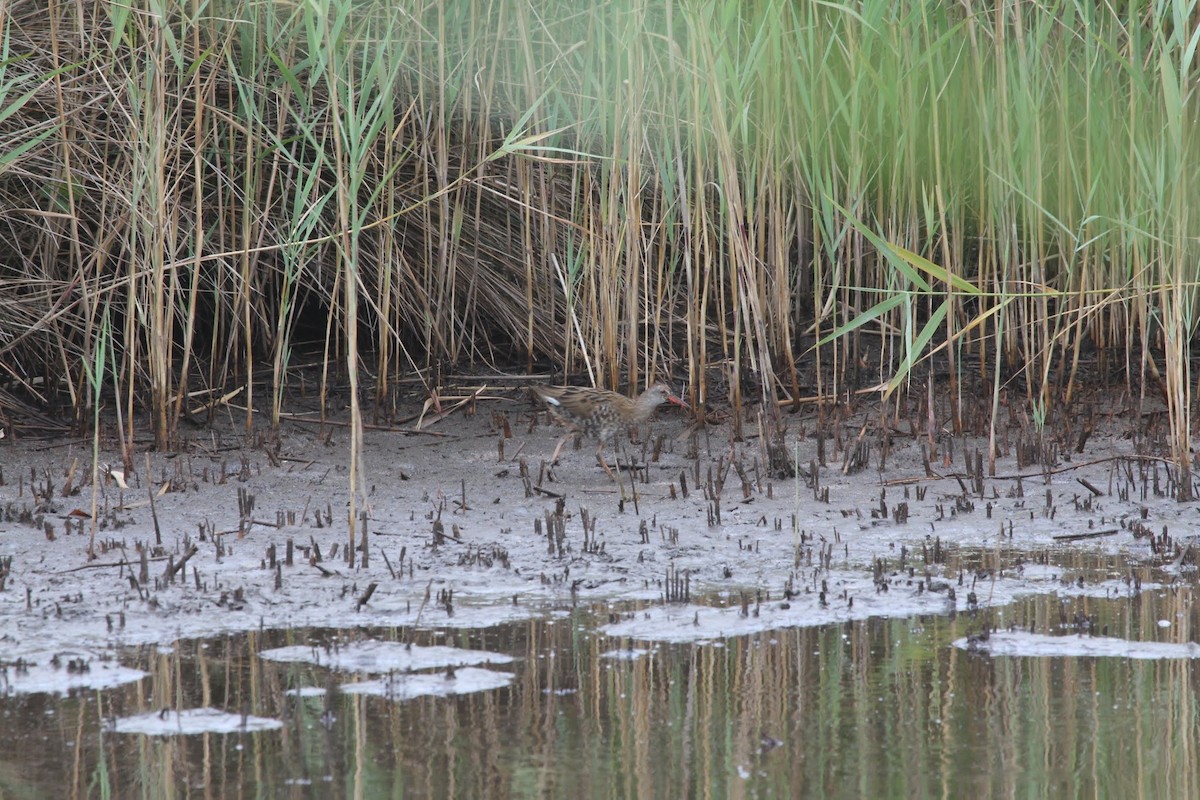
(599, 413)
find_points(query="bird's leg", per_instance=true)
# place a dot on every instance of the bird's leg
(600, 460)
(561, 442)
(616, 478)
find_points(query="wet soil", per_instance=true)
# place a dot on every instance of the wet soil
(464, 524)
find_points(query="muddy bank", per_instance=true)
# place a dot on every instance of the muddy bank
(468, 527)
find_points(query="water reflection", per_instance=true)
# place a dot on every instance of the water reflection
(877, 708)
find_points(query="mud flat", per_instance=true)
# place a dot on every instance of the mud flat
(466, 526)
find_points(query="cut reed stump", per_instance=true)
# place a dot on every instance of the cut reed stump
(599, 413)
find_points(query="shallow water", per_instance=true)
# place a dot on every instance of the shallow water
(870, 708)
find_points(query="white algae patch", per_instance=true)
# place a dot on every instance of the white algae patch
(62, 672)
(192, 721)
(698, 623)
(439, 684)
(454, 675)
(627, 654)
(384, 656)
(1014, 643)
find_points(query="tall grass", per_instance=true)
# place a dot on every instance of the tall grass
(709, 190)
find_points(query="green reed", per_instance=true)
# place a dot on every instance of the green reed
(716, 191)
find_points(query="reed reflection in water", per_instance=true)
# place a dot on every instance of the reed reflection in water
(878, 708)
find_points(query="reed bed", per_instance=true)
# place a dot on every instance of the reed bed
(773, 192)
